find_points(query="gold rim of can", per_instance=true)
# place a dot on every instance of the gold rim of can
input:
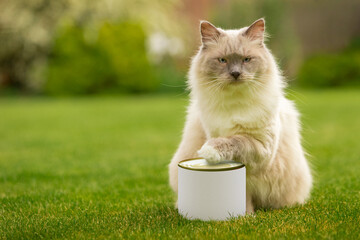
(241, 165)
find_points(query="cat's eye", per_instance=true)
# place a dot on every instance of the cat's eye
(247, 59)
(222, 60)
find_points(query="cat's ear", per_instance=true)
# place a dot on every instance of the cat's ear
(209, 32)
(256, 31)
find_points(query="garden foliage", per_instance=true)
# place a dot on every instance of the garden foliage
(332, 69)
(115, 61)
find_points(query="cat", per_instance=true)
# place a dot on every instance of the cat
(238, 111)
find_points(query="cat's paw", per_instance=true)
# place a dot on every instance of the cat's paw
(209, 153)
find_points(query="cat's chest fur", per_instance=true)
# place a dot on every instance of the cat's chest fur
(223, 122)
(217, 125)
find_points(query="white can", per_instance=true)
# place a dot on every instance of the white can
(211, 192)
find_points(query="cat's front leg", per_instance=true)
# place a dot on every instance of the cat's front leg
(193, 138)
(241, 148)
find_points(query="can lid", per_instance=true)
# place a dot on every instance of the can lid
(200, 164)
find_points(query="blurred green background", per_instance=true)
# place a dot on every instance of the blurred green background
(95, 166)
(69, 47)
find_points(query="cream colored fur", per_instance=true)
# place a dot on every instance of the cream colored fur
(251, 122)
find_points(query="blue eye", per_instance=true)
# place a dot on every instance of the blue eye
(247, 59)
(222, 60)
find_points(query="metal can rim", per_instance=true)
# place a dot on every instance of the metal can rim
(241, 165)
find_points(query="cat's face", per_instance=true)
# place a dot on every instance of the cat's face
(233, 57)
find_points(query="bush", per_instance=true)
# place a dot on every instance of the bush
(332, 70)
(115, 61)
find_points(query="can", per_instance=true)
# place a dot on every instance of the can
(211, 191)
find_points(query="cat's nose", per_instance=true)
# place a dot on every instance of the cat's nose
(235, 74)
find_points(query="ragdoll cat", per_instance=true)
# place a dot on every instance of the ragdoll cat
(238, 112)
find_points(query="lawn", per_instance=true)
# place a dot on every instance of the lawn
(97, 168)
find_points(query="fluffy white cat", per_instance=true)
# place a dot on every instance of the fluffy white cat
(238, 112)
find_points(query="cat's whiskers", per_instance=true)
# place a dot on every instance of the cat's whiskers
(214, 85)
(255, 86)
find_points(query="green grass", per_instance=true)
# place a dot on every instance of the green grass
(97, 168)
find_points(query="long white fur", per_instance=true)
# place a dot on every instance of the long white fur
(278, 174)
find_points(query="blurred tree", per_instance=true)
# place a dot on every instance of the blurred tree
(27, 29)
(115, 62)
(75, 67)
(124, 45)
(332, 69)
